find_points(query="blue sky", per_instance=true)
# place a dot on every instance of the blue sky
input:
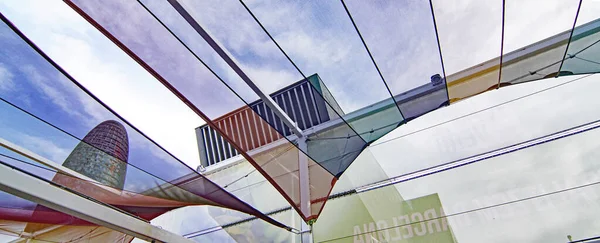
(401, 41)
(42, 90)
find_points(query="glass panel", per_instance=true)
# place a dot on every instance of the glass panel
(188, 36)
(563, 173)
(361, 122)
(151, 45)
(584, 50)
(254, 231)
(329, 69)
(43, 90)
(541, 188)
(527, 23)
(407, 61)
(384, 216)
(20, 219)
(484, 123)
(318, 37)
(90, 167)
(364, 171)
(479, 25)
(291, 106)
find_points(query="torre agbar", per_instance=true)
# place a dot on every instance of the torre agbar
(102, 154)
(299, 121)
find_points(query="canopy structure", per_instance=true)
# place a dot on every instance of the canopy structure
(110, 161)
(353, 97)
(170, 40)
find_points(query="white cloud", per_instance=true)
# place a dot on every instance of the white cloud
(6, 79)
(108, 73)
(469, 31)
(44, 147)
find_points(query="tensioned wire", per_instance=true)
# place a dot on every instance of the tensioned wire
(586, 240)
(435, 125)
(101, 103)
(296, 66)
(212, 71)
(437, 38)
(64, 174)
(485, 109)
(227, 85)
(432, 126)
(128, 164)
(501, 44)
(22, 161)
(476, 158)
(480, 208)
(535, 72)
(81, 87)
(68, 189)
(372, 60)
(569, 56)
(19, 236)
(570, 132)
(105, 153)
(570, 38)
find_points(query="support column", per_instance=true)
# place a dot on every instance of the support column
(304, 188)
(23, 185)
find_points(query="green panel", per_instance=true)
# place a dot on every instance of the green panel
(382, 215)
(583, 55)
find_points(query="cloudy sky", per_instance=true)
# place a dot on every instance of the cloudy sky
(319, 37)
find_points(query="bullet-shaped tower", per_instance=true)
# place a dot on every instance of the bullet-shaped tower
(102, 155)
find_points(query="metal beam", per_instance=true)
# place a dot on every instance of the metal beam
(304, 182)
(263, 96)
(36, 190)
(37, 158)
(526, 51)
(514, 56)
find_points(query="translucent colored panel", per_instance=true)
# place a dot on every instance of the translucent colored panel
(44, 90)
(259, 193)
(502, 118)
(383, 215)
(153, 47)
(549, 28)
(359, 122)
(320, 38)
(17, 219)
(549, 186)
(524, 68)
(466, 40)
(289, 103)
(382, 114)
(462, 85)
(407, 61)
(243, 40)
(254, 231)
(175, 23)
(543, 187)
(422, 100)
(336, 148)
(364, 171)
(252, 188)
(582, 55)
(141, 203)
(141, 195)
(527, 22)
(246, 183)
